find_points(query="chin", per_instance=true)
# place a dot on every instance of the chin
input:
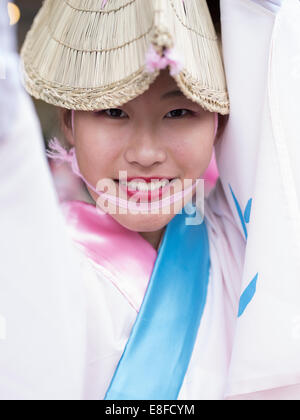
(143, 222)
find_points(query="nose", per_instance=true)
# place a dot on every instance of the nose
(145, 149)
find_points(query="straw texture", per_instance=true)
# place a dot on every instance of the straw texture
(88, 55)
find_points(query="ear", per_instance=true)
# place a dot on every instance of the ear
(65, 118)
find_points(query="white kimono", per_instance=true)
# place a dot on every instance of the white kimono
(65, 319)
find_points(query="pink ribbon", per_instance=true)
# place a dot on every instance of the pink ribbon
(125, 255)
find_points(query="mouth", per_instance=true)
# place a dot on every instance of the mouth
(146, 189)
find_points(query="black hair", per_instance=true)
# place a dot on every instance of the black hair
(214, 8)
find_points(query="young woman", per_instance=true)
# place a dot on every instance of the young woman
(153, 304)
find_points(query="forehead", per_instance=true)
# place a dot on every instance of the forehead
(162, 88)
(163, 81)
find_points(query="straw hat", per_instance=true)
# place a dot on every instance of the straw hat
(97, 54)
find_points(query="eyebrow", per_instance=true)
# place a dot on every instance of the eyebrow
(172, 94)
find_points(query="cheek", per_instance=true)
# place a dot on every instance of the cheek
(193, 155)
(96, 154)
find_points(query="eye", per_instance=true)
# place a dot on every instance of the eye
(178, 113)
(113, 113)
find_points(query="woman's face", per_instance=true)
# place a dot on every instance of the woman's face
(160, 134)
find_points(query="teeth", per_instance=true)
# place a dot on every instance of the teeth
(144, 186)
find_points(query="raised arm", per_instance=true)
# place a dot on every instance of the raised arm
(42, 310)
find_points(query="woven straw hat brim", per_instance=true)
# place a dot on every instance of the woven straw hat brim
(82, 57)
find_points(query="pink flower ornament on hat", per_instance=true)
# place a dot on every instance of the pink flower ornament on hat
(170, 57)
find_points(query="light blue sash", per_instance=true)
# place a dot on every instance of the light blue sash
(158, 352)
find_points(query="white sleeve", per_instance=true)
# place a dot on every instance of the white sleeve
(258, 159)
(42, 303)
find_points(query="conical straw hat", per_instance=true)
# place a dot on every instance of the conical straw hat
(94, 54)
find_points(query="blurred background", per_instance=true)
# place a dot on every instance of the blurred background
(46, 113)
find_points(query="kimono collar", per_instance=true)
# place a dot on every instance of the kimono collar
(123, 255)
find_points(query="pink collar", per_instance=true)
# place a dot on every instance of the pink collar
(127, 257)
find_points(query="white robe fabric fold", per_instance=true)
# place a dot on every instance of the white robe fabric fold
(258, 157)
(42, 300)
